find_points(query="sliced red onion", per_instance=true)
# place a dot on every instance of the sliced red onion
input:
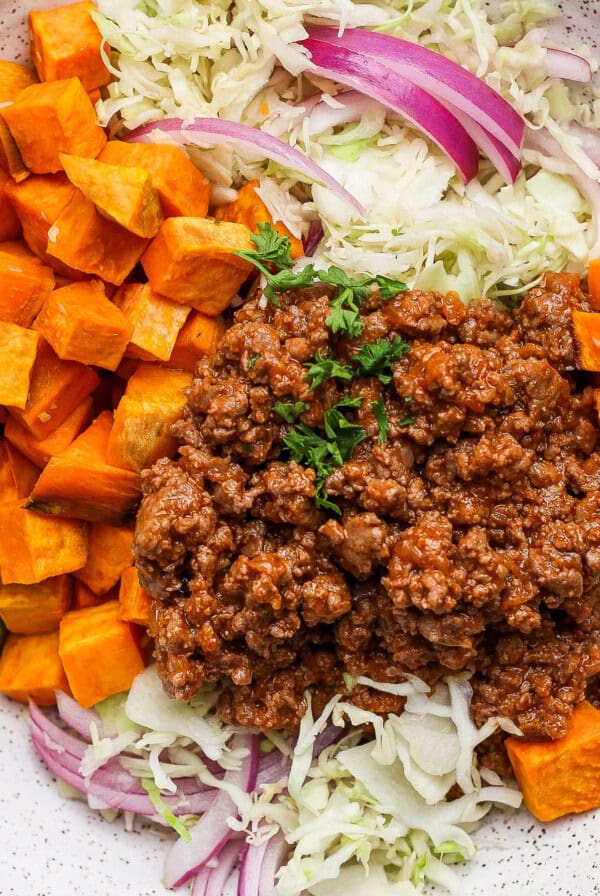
(58, 735)
(570, 66)
(313, 238)
(589, 138)
(434, 73)
(212, 832)
(211, 881)
(273, 767)
(396, 92)
(330, 736)
(276, 852)
(76, 717)
(249, 879)
(216, 130)
(501, 158)
(353, 105)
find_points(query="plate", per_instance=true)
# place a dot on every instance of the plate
(50, 846)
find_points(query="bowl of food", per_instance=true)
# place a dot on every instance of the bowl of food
(299, 469)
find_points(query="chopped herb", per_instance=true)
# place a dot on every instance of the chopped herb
(290, 410)
(252, 361)
(396, 231)
(271, 248)
(388, 287)
(406, 421)
(376, 358)
(380, 413)
(344, 317)
(344, 436)
(322, 369)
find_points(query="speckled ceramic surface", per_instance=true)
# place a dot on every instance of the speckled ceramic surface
(53, 847)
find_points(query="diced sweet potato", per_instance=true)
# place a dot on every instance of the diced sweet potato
(80, 482)
(594, 283)
(198, 338)
(10, 226)
(34, 547)
(110, 551)
(18, 351)
(26, 283)
(183, 190)
(135, 602)
(84, 597)
(156, 321)
(153, 400)
(560, 776)
(586, 326)
(81, 238)
(17, 474)
(13, 79)
(56, 389)
(10, 157)
(249, 209)
(33, 609)
(39, 451)
(123, 195)
(99, 652)
(66, 43)
(191, 260)
(60, 111)
(30, 667)
(81, 324)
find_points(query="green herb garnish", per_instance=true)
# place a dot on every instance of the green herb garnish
(376, 358)
(252, 361)
(271, 248)
(322, 369)
(380, 413)
(290, 410)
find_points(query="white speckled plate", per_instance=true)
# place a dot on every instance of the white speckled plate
(53, 847)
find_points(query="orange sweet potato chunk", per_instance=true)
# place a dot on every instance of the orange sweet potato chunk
(17, 474)
(63, 113)
(156, 321)
(135, 602)
(81, 324)
(26, 283)
(56, 389)
(10, 157)
(191, 260)
(84, 597)
(66, 43)
(99, 652)
(81, 482)
(10, 226)
(34, 547)
(123, 195)
(198, 338)
(18, 351)
(561, 776)
(586, 326)
(33, 609)
(84, 240)
(249, 209)
(183, 190)
(39, 451)
(30, 667)
(110, 551)
(13, 79)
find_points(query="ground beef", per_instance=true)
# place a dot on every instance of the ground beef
(469, 540)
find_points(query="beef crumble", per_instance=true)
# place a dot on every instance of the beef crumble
(469, 540)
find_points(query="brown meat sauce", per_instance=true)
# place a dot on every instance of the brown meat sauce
(470, 540)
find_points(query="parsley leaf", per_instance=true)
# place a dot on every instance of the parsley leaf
(271, 248)
(252, 361)
(322, 369)
(376, 358)
(344, 436)
(406, 421)
(380, 413)
(284, 280)
(290, 410)
(345, 315)
(388, 287)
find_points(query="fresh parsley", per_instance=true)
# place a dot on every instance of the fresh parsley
(271, 248)
(380, 413)
(290, 410)
(343, 435)
(376, 358)
(324, 368)
(252, 361)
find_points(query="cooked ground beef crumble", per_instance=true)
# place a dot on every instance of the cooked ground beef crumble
(470, 539)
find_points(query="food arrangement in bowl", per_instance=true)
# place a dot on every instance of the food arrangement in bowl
(299, 474)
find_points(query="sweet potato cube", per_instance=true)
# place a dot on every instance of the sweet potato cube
(156, 321)
(249, 209)
(26, 283)
(17, 474)
(13, 79)
(33, 609)
(34, 547)
(586, 326)
(39, 451)
(82, 483)
(63, 113)
(183, 190)
(198, 338)
(10, 226)
(153, 400)
(66, 44)
(56, 389)
(561, 776)
(191, 260)
(10, 157)
(123, 195)
(30, 667)
(18, 351)
(135, 602)
(99, 652)
(84, 240)
(81, 324)
(84, 597)
(110, 551)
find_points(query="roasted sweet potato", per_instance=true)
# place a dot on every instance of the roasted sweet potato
(182, 189)
(594, 283)
(34, 547)
(13, 79)
(81, 482)
(30, 667)
(18, 351)
(586, 326)
(198, 338)
(191, 260)
(99, 652)
(17, 474)
(110, 551)
(34, 609)
(11, 161)
(56, 389)
(26, 283)
(84, 597)
(10, 226)
(156, 321)
(66, 44)
(39, 451)
(249, 209)
(135, 603)
(60, 111)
